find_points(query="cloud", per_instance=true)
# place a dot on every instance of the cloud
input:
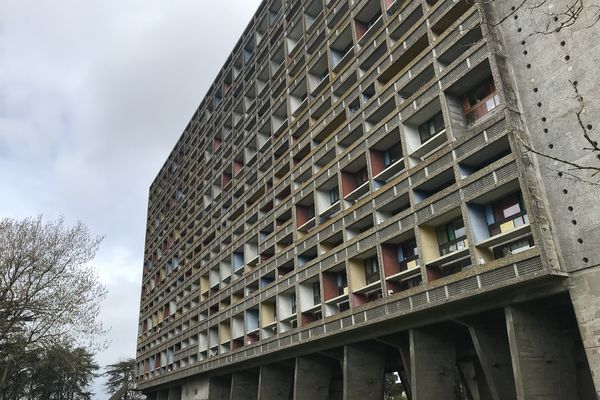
(93, 96)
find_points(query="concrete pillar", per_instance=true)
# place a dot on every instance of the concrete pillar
(312, 378)
(219, 388)
(491, 345)
(584, 289)
(162, 395)
(364, 367)
(175, 393)
(541, 353)
(433, 360)
(195, 389)
(276, 382)
(244, 386)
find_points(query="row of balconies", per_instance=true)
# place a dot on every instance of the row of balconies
(336, 256)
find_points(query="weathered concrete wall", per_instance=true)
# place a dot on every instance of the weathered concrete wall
(556, 82)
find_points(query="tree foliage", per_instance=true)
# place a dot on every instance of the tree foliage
(62, 373)
(122, 375)
(49, 295)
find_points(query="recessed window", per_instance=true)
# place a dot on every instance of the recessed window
(431, 128)
(506, 214)
(480, 101)
(452, 237)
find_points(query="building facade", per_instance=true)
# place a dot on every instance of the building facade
(375, 192)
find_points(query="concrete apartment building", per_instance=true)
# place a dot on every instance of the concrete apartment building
(356, 198)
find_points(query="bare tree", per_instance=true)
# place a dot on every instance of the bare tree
(48, 289)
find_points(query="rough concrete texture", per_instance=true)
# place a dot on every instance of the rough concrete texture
(363, 372)
(491, 344)
(196, 389)
(312, 378)
(556, 81)
(244, 386)
(542, 357)
(276, 382)
(433, 358)
(585, 292)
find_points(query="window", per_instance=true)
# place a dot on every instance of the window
(451, 237)
(514, 247)
(431, 128)
(506, 214)
(392, 155)
(480, 101)
(316, 287)
(341, 282)
(293, 302)
(334, 195)
(371, 270)
(361, 176)
(407, 252)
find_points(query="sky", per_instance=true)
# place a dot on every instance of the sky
(93, 96)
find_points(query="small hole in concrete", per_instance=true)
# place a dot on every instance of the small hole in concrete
(513, 8)
(574, 222)
(539, 104)
(563, 43)
(570, 208)
(545, 130)
(523, 43)
(519, 30)
(555, 19)
(580, 241)
(551, 145)
(575, 83)
(585, 259)
(589, 127)
(528, 65)
(560, 174)
(525, 53)
(543, 119)
(567, 58)
(516, 17)
(535, 90)
(565, 191)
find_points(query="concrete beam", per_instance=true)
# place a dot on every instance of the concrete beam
(276, 382)
(491, 345)
(433, 360)
(364, 368)
(244, 386)
(312, 378)
(542, 356)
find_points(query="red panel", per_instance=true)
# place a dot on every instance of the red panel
(377, 161)
(329, 286)
(390, 260)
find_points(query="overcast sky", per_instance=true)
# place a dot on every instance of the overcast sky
(93, 96)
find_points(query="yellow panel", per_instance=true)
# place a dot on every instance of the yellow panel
(507, 226)
(411, 264)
